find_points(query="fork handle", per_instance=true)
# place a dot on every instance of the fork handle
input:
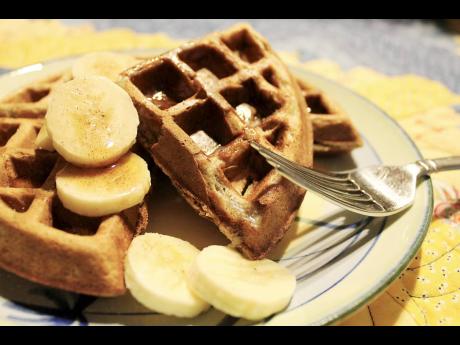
(439, 164)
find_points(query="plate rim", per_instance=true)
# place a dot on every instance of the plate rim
(390, 277)
(297, 71)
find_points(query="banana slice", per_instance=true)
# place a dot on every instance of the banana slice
(43, 141)
(240, 287)
(103, 191)
(155, 270)
(91, 121)
(105, 64)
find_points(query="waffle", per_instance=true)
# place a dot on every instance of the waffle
(40, 240)
(188, 100)
(333, 131)
(31, 101)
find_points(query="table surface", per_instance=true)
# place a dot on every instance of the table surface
(428, 292)
(389, 46)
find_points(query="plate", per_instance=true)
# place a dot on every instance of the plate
(342, 260)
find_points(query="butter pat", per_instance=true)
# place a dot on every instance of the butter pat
(246, 112)
(205, 142)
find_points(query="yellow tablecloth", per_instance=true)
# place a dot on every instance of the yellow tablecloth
(428, 292)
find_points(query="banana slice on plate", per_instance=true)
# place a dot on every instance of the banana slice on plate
(92, 121)
(155, 269)
(103, 191)
(43, 140)
(240, 287)
(105, 64)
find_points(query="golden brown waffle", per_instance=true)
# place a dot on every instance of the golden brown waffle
(39, 239)
(333, 131)
(31, 101)
(187, 100)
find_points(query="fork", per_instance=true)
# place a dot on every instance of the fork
(376, 191)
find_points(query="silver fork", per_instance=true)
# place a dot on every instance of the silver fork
(376, 191)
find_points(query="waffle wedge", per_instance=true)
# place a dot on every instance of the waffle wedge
(189, 103)
(40, 240)
(333, 131)
(31, 101)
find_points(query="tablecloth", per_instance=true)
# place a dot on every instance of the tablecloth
(428, 291)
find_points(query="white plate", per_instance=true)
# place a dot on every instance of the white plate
(342, 260)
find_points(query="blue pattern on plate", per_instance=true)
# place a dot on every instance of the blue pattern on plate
(63, 314)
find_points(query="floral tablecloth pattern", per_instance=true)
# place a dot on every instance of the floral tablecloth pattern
(428, 291)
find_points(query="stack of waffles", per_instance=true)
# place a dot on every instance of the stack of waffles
(200, 106)
(40, 239)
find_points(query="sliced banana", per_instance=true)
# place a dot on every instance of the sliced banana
(91, 121)
(43, 141)
(105, 64)
(155, 270)
(103, 191)
(240, 287)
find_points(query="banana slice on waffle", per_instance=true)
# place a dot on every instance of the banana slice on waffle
(91, 121)
(105, 64)
(102, 191)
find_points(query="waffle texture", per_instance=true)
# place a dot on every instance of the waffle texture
(40, 240)
(188, 101)
(333, 131)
